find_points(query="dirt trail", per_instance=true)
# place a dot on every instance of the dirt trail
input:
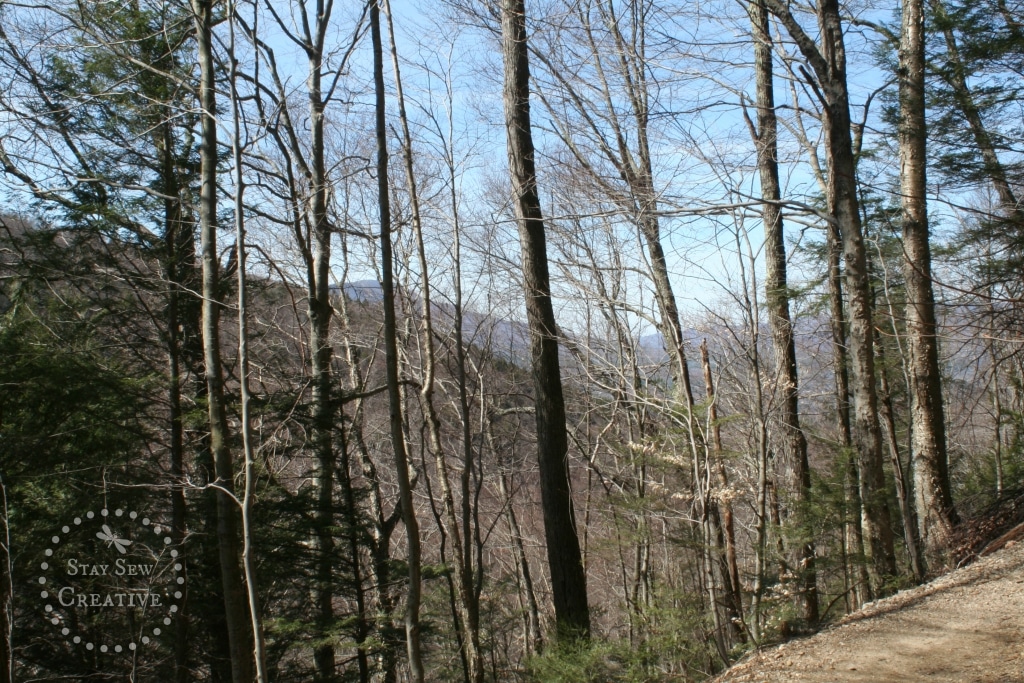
(966, 626)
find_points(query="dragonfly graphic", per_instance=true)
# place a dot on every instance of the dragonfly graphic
(111, 538)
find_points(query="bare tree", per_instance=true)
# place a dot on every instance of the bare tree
(858, 583)
(412, 606)
(239, 631)
(457, 524)
(245, 393)
(723, 534)
(306, 175)
(828, 63)
(795, 467)
(598, 123)
(565, 560)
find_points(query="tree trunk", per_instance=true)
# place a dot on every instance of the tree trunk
(934, 504)
(829, 64)
(460, 530)
(724, 535)
(382, 588)
(887, 415)
(866, 429)
(639, 200)
(238, 625)
(309, 186)
(6, 592)
(380, 592)
(351, 519)
(956, 76)
(565, 560)
(320, 313)
(760, 534)
(181, 323)
(997, 411)
(795, 468)
(245, 395)
(853, 530)
(412, 605)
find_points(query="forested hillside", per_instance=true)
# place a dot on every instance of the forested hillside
(484, 340)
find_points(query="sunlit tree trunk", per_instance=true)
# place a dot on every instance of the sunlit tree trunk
(934, 504)
(245, 394)
(724, 526)
(458, 526)
(412, 604)
(997, 411)
(795, 468)
(900, 477)
(320, 313)
(829, 64)
(239, 633)
(853, 530)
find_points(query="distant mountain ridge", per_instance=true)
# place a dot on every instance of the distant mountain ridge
(508, 339)
(363, 291)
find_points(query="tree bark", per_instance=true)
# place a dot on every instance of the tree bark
(181, 323)
(412, 531)
(887, 416)
(734, 589)
(239, 632)
(380, 592)
(533, 641)
(853, 518)
(309, 189)
(997, 412)
(458, 526)
(795, 468)
(245, 394)
(565, 560)
(320, 313)
(829, 65)
(724, 535)
(6, 592)
(932, 498)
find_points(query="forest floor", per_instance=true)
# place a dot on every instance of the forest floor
(966, 626)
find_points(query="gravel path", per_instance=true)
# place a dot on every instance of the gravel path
(966, 626)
